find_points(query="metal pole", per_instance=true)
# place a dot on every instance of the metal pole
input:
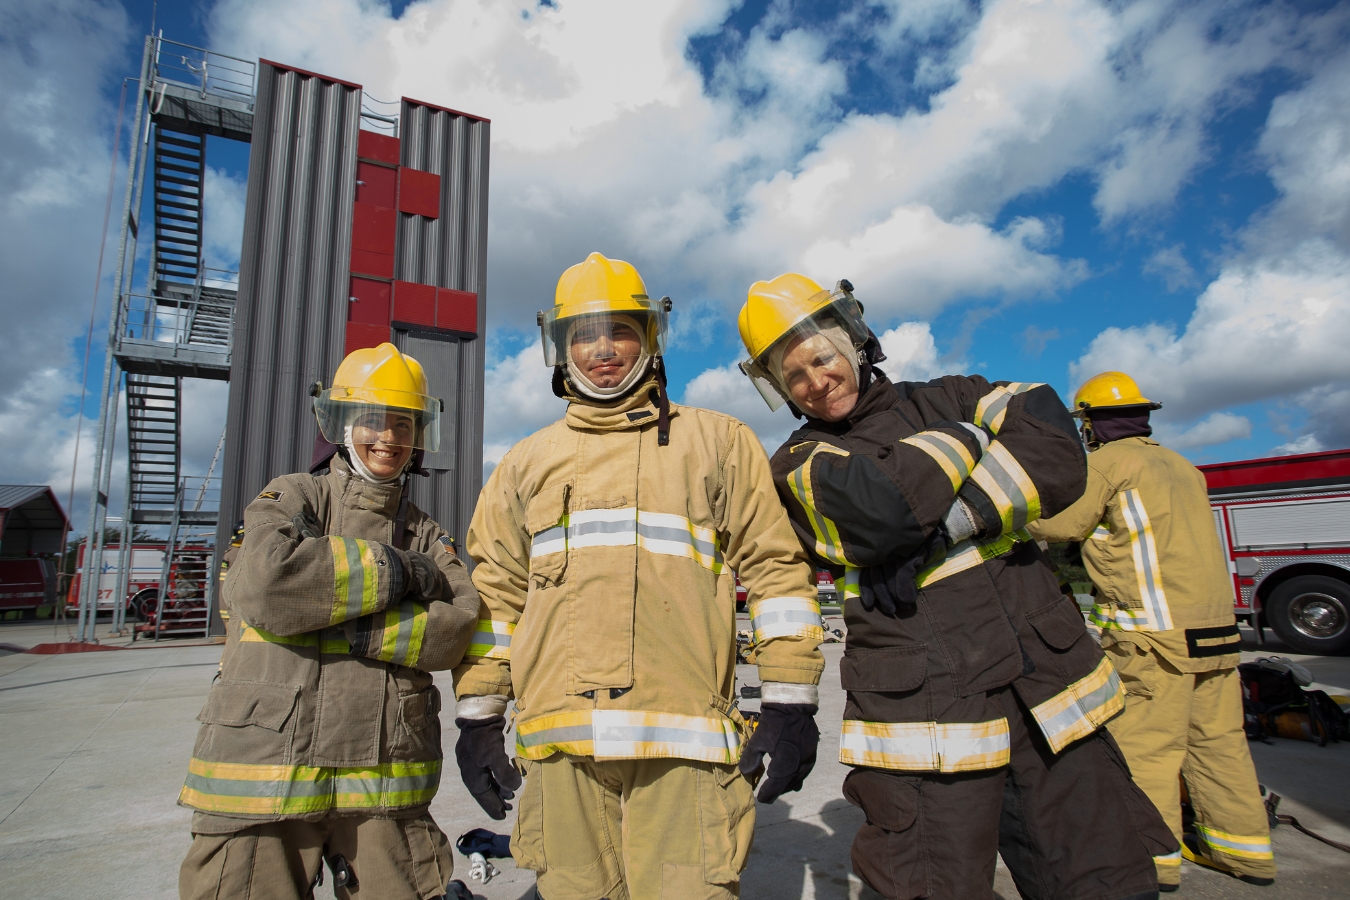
(94, 537)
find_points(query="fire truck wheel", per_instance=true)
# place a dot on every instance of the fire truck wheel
(1311, 613)
(144, 603)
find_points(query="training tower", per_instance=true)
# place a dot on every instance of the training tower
(364, 222)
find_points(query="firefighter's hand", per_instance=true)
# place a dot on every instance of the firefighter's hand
(424, 578)
(484, 766)
(787, 733)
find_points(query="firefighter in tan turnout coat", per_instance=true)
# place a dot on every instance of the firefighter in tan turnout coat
(321, 738)
(605, 547)
(1165, 607)
(975, 694)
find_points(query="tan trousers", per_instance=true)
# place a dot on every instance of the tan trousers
(643, 829)
(1175, 724)
(393, 859)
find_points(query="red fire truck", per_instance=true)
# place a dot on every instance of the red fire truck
(1284, 524)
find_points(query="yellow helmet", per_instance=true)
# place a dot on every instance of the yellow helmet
(599, 286)
(791, 304)
(378, 380)
(1109, 389)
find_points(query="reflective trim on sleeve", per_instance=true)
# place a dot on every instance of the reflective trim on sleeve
(925, 746)
(330, 640)
(401, 633)
(993, 406)
(1243, 846)
(492, 639)
(775, 617)
(949, 453)
(828, 543)
(1008, 486)
(665, 534)
(240, 788)
(629, 734)
(967, 555)
(1145, 552)
(1081, 708)
(852, 586)
(356, 587)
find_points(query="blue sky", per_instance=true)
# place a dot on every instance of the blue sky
(1028, 189)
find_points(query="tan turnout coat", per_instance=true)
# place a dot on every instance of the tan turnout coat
(605, 563)
(325, 702)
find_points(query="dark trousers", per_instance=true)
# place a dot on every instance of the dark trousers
(1071, 826)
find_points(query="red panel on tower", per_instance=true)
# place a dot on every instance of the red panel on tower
(376, 185)
(373, 228)
(381, 265)
(419, 193)
(415, 304)
(457, 311)
(359, 336)
(379, 147)
(368, 303)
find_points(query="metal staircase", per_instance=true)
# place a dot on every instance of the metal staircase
(180, 178)
(178, 324)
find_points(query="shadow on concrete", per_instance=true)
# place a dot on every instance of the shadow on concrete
(106, 674)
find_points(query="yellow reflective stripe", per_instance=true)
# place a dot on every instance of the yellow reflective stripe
(1168, 859)
(250, 634)
(1145, 552)
(1082, 707)
(925, 746)
(949, 453)
(968, 555)
(1244, 846)
(243, 788)
(1102, 533)
(828, 543)
(666, 534)
(492, 639)
(852, 588)
(1008, 486)
(356, 586)
(993, 406)
(1110, 616)
(401, 635)
(330, 640)
(629, 734)
(775, 617)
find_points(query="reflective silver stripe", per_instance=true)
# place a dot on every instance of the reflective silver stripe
(1145, 553)
(666, 534)
(1081, 708)
(629, 734)
(1244, 846)
(925, 746)
(775, 617)
(980, 434)
(1007, 484)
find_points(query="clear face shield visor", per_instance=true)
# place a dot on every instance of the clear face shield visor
(599, 329)
(825, 340)
(369, 420)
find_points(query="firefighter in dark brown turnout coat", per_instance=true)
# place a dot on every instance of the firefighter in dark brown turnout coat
(975, 694)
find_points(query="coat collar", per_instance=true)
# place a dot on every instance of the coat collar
(356, 491)
(880, 396)
(632, 411)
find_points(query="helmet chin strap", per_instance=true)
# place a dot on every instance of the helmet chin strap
(359, 466)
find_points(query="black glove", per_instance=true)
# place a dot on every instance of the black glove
(890, 585)
(424, 579)
(484, 766)
(788, 733)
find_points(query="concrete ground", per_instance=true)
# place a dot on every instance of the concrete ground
(95, 746)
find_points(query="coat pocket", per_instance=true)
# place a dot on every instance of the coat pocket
(240, 703)
(419, 724)
(890, 802)
(884, 670)
(1059, 624)
(527, 838)
(545, 516)
(727, 811)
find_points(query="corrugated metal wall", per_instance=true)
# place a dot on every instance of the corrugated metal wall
(293, 278)
(450, 252)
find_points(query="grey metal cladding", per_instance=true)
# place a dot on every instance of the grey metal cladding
(294, 273)
(451, 252)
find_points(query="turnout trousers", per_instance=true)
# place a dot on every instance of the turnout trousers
(391, 859)
(640, 829)
(1178, 725)
(1071, 826)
